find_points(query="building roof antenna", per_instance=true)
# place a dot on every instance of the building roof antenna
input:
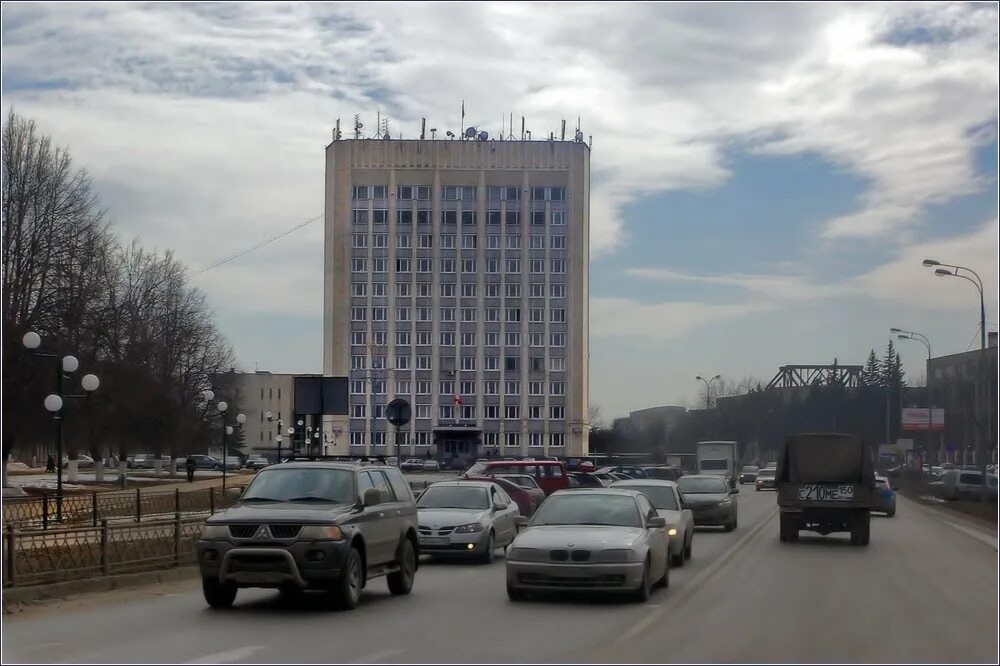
(357, 125)
(510, 137)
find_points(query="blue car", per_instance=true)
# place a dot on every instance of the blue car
(885, 497)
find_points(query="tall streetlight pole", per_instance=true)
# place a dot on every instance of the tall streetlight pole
(55, 402)
(977, 282)
(921, 338)
(222, 406)
(708, 389)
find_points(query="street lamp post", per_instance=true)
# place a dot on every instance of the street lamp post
(983, 418)
(270, 418)
(222, 407)
(54, 403)
(708, 389)
(919, 337)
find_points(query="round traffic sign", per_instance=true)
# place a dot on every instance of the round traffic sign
(398, 412)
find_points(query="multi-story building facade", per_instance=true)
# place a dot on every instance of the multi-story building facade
(456, 278)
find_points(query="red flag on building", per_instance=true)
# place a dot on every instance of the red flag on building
(458, 400)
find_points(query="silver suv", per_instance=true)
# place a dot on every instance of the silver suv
(314, 524)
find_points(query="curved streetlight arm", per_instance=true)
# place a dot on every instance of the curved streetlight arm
(978, 281)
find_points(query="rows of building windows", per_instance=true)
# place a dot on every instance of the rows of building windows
(468, 363)
(465, 412)
(448, 290)
(457, 193)
(448, 314)
(447, 241)
(360, 216)
(490, 439)
(491, 265)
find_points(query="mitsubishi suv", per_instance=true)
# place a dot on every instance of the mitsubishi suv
(316, 524)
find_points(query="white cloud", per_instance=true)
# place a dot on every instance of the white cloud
(768, 287)
(659, 322)
(906, 281)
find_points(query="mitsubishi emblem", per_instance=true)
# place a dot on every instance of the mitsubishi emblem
(261, 532)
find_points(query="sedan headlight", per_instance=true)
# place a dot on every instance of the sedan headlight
(468, 529)
(615, 555)
(526, 554)
(214, 532)
(330, 532)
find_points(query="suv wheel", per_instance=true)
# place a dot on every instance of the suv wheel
(346, 590)
(218, 595)
(401, 582)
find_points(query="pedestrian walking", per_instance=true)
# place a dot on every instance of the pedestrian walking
(50, 464)
(189, 465)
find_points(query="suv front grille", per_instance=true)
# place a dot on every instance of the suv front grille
(285, 531)
(243, 531)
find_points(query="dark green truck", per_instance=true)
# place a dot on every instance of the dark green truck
(825, 483)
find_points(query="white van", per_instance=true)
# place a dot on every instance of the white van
(966, 484)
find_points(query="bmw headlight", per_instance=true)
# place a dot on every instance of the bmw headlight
(214, 532)
(526, 554)
(469, 529)
(330, 532)
(615, 555)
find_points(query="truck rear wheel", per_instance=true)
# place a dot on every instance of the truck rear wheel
(789, 528)
(861, 529)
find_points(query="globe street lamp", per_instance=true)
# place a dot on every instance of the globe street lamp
(55, 402)
(270, 418)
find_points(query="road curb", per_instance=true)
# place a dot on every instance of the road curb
(16, 598)
(969, 525)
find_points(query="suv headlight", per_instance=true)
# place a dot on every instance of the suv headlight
(331, 532)
(468, 529)
(671, 530)
(214, 532)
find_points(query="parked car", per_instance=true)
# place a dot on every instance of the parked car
(710, 499)
(669, 504)
(257, 463)
(967, 484)
(662, 472)
(200, 461)
(83, 461)
(233, 463)
(749, 474)
(765, 480)
(140, 461)
(313, 525)
(549, 474)
(466, 518)
(630, 471)
(884, 499)
(597, 540)
(589, 480)
(527, 499)
(412, 465)
(431, 465)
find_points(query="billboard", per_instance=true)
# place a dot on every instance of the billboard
(321, 395)
(915, 418)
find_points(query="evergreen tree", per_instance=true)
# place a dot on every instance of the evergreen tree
(891, 369)
(871, 374)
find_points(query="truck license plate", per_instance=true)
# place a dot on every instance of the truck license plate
(826, 493)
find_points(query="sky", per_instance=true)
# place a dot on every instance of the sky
(766, 178)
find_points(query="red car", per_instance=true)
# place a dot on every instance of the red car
(550, 475)
(527, 499)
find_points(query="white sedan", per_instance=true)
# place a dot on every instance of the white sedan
(669, 504)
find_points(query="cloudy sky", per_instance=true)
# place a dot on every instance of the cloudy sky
(766, 178)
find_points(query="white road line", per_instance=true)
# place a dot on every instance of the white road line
(691, 587)
(975, 534)
(939, 515)
(228, 656)
(377, 656)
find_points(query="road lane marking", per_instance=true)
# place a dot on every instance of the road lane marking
(987, 538)
(228, 656)
(377, 656)
(690, 587)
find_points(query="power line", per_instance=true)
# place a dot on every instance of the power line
(256, 247)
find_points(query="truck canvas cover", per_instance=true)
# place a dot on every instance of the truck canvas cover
(825, 458)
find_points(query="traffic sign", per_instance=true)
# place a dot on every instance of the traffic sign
(398, 412)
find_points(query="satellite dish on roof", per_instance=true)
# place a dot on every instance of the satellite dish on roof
(386, 137)
(470, 132)
(483, 136)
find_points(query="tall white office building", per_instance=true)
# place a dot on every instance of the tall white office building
(456, 277)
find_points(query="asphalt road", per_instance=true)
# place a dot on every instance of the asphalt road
(923, 591)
